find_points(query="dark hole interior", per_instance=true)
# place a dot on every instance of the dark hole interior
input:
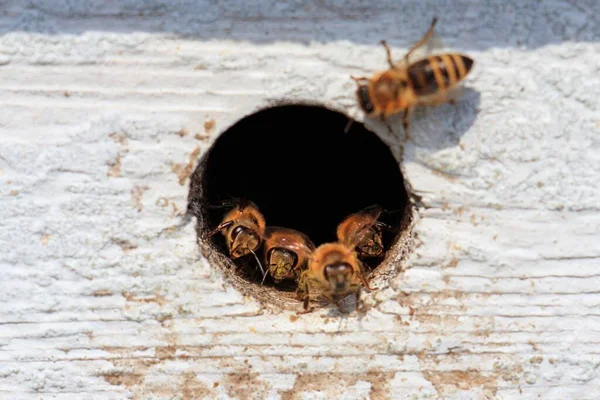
(304, 172)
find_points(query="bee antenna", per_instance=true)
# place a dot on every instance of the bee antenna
(228, 203)
(264, 277)
(213, 207)
(243, 202)
(219, 228)
(259, 266)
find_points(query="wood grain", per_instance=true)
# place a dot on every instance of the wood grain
(103, 296)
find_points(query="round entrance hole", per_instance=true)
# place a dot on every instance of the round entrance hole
(303, 172)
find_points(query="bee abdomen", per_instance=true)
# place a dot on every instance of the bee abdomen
(438, 73)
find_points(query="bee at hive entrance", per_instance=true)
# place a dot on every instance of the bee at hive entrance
(296, 168)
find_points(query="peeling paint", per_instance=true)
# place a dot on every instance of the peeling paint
(104, 293)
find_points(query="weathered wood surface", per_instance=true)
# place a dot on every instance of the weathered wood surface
(100, 105)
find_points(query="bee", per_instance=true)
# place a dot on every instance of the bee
(405, 85)
(243, 228)
(335, 272)
(363, 232)
(286, 252)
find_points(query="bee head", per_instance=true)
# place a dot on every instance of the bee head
(243, 241)
(281, 263)
(371, 245)
(339, 276)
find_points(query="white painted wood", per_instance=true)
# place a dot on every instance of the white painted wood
(100, 103)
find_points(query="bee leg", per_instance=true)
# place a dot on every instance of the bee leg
(406, 123)
(333, 300)
(385, 121)
(359, 79)
(306, 303)
(306, 309)
(359, 304)
(304, 295)
(423, 40)
(388, 52)
(302, 289)
(349, 124)
(361, 274)
(365, 282)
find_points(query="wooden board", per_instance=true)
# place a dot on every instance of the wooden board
(104, 108)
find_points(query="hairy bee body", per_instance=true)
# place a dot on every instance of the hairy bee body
(405, 85)
(334, 271)
(424, 82)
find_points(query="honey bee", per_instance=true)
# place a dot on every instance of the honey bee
(362, 231)
(243, 228)
(426, 82)
(334, 271)
(286, 252)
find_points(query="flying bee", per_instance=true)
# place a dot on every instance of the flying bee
(334, 271)
(286, 252)
(426, 82)
(362, 231)
(243, 228)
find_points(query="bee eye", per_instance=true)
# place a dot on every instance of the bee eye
(365, 99)
(236, 231)
(337, 269)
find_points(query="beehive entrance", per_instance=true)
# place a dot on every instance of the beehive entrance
(304, 172)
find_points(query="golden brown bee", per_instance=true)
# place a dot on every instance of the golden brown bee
(426, 82)
(286, 252)
(334, 271)
(362, 231)
(243, 228)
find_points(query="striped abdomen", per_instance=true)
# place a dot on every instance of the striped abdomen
(438, 73)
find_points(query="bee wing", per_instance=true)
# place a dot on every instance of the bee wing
(305, 244)
(359, 234)
(432, 46)
(354, 228)
(443, 97)
(373, 211)
(304, 247)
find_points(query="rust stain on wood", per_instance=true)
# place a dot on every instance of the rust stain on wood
(102, 293)
(184, 171)
(157, 298)
(114, 168)
(191, 388)
(241, 385)
(119, 138)
(449, 382)
(124, 379)
(45, 238)
(125, 245)
(209, 125)
(137, 192)
(332, 384)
